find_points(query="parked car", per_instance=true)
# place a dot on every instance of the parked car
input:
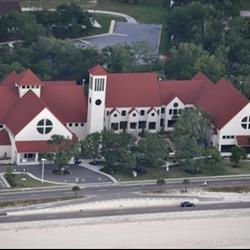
(77, 161)
(139, 170)
(187, 204)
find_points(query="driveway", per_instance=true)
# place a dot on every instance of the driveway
(79, 174)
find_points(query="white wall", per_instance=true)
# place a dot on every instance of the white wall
(35, 89)
(130, 118)
(96, 112)
(30, 133)
(234, 128)
(5, 149)
(80, 131)
(168, 116)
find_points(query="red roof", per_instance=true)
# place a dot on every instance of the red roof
(24, 111)
(41, 146)
(243, 140)
(97, 70)
(27, 77)
(222, 101)
(67, 102)
(65, 99)
(4, 138)
(132, 90)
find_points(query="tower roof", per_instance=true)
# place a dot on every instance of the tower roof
(27, 77)
(97, 70)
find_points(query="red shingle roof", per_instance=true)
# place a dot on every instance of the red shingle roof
(243, 140)
(132, 90)
(97, 70)
(42, 146)
(4, 138)
(65, 99)
(222, 101)
(27, 77)
(26, 109)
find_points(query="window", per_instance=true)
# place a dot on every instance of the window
(170, 111)
(44, 126)
(151, 125)
(142, 112)
(107, 113)
(98, 102)
(115, 115)
(1, 125)
(176, 105)
(76, 124)
(89, 100)
(162, 110)
(245, 122)
(114, 126)
(123, 112)
(153, 114)
(70, 124)
(133, 125)
(82, 124)
(175, 111)
(142, 124)
(134, 114)
(123, 125)
(228, 137)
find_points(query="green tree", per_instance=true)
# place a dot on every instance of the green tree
(118, 151)
(63, 150)
(152, 150)
(238, 154)
(92, 146)
(191, 58)
(76, 189)
(161, 182)
(192, 137)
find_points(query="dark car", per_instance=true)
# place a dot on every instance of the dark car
(77, 161)
(187, 204)
(140, 170)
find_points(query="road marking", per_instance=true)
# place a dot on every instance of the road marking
(103, 190)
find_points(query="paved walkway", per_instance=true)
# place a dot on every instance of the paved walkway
(78, 174)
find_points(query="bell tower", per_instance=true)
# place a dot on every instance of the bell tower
(96, 99)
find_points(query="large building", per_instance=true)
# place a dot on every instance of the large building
(32, 110)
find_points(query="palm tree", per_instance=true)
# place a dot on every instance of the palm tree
(76, 189)
(161, 183)
(186, 182)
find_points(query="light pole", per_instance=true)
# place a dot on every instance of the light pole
(43, 160)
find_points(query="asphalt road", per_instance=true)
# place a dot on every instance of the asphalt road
(119, 212)
(107, 192)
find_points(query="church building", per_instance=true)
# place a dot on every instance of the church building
(31, 110)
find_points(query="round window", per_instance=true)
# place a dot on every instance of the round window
(153, 114)
(134, 114)
(176, 104)
(245, 122)
(115, 115)
(98, 102)
(44, 126)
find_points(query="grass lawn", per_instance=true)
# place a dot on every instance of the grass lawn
(105, 21)
(25, 181)
(176, 172)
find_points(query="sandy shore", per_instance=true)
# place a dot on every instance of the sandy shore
(206, 229)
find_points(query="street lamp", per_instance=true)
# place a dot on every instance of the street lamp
(43, 160)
